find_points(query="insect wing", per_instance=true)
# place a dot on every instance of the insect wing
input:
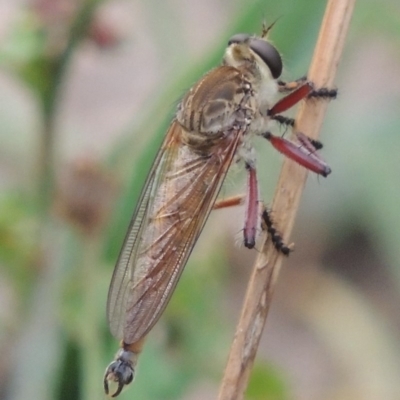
(118, 290)
(177, 198)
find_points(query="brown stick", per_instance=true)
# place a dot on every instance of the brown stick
(285, 204)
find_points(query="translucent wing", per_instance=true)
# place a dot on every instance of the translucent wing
(117, 294)
(177, 198)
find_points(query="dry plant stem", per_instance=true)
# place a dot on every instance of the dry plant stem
(285, 204)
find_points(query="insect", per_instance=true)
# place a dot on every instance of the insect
(213, 127)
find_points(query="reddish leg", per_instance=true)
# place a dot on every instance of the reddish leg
(321, 93)
(291, 99)
(301, 154)
(252, 210)
(310, 144)
(253, 214)
(305, 154)
(300, 89)
(229, 202)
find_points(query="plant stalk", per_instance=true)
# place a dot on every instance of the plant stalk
(286, 201)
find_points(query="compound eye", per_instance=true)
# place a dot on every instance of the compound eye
(268, 54)
(239, 38)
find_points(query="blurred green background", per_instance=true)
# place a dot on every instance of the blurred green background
(87, 89)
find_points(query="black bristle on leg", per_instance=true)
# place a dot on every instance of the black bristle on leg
(317, 144)
(283, 120)
(311, 144)
(323, 93)
(275, 236)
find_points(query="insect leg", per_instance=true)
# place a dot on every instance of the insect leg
(300, 153)
(275, 235)
(299, 90)
(229, 202)
(291, 99)
(290, 86)
(253, 213)
(283, 120)
(252, 210)
(310, 144)
(323, 93)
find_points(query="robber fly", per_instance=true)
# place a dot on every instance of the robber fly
(213, 126)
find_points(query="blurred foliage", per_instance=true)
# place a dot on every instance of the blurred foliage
(265, 384)
(61, 226)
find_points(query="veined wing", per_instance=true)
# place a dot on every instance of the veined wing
(118, 291)
(176, 201)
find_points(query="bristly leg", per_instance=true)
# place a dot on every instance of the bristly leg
(298, 90)
(300, 153)
(300, 93)
(283, 120)
(275, 235)
(323, 94)
(311, 145)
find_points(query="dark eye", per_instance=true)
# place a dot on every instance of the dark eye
(263, 49)
(239, 38)
(268, 54)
